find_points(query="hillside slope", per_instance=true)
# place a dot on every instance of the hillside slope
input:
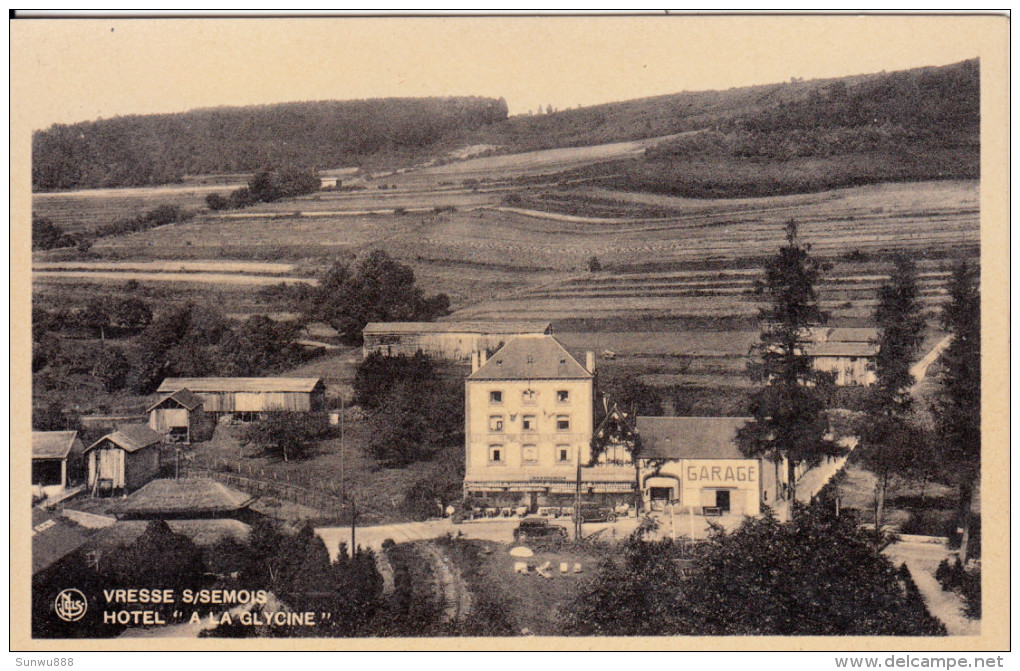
(161, 148)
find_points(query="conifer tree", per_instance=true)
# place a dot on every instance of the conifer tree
(958, 404)
(890, 444)
(788, 405)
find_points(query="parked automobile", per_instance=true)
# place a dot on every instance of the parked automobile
(593, 512)
(539, 529)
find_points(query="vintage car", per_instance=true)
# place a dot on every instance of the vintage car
(593, 512)
(539, 529)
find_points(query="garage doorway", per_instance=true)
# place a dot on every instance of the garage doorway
(722, 500)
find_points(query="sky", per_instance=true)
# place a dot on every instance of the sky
(75, 70)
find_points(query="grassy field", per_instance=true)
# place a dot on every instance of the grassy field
(87, 209)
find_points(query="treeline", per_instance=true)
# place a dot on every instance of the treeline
(916, 99)
(162, 148)
(912, 125)
(936, 107)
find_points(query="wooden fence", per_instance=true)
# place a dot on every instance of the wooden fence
(327, 502)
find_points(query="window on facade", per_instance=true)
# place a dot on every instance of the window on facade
(496, 454)
(496, 423)
(528, 423)
(562, 396)
(528, 396)
(562, 423)
(562, 453)
(495, 397)
(529, 454)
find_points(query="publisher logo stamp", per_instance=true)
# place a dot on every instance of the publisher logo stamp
(71, 605)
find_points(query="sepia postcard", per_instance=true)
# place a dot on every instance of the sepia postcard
(621, 332)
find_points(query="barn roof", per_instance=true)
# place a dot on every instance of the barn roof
(203, 533)
(843, 334)
(690, 437)
(240, 384)
(183, 396)
(862, 349)
(187, 496)
(131, 437)
(52, 444)
(53, 539)
(539, 357)
(482, 327)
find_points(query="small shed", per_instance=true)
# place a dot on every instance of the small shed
(125, 459)
(56, 460)
(180, 417)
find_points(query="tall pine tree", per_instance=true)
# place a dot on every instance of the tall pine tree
(958, 403)
(788, 405)
(890, 445)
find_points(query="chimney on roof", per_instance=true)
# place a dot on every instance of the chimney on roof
(474, 362)
(589, 359)
(483, 356)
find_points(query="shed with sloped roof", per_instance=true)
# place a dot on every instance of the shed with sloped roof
(56, 460)
(124, 460)
(181, 417)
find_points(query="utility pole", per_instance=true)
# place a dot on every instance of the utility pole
(577, 501)
(354, 523)
(343, 454)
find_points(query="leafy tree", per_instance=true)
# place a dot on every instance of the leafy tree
(259, 345)
(179, 564)
(47, 235)
(286, 434)
(816, 575)
(376, 376)
(96, 315)
(594, 265)
(789, 403)
(441, 485)
(378, 289)
(54, 417)
(891, 446)
(216, 202)
(643, 597)
(296, 568)
(417, 421)
(632, 395)
(130, 313)
(957, 405)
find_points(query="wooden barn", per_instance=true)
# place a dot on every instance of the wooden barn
(849, 353)
(449, 340)
(124, 460)
(56, 460)
(245, 398)
(180, 417)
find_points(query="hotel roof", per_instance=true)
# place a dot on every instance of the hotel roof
(539, 357)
